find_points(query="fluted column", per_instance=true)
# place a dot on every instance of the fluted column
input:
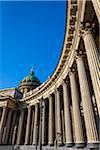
(91, 130)
(32, 125)
(0, 113)
(68, 128)
(20, 126)
(43, 123)
(51, 122)
(12, 127)
(27, 138)
(36, 124)
(8, 125)
(79, 139)
(58, 118)
(2, 123)
(14, 135)
(96, 5)
(93, 61)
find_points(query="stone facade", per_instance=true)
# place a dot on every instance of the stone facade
(62, 113)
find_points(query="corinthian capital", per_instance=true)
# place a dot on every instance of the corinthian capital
(79, 53)
(86, 28)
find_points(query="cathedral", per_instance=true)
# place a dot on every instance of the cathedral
(63, 112)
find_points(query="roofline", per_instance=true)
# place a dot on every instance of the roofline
(7, 89)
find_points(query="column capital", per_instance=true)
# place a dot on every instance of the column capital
(72, 69)
(64, 82)
(50, 96)
(79, 54)
(86, 29)
(56, 90)
(29, 107)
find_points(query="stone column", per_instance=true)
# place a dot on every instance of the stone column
(8, 126)
(14, 135)
(2, 123)
(51, 122)
(63, 126)
(68, 129)
(12, 127)
(79, 139)
(43, 123)
(20, 126)
(93, 61)
(27, 135)
(36, 125)
(32, 126)
(58, 118)
(0, 113)
(96, 5)
(91, 130)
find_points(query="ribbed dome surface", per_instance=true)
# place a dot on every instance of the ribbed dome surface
(31, 77)
(30, 82)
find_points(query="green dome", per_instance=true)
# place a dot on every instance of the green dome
(31, 77)
(29, 82)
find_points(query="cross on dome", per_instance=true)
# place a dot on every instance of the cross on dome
(32, 70)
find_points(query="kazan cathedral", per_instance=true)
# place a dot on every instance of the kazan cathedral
(63, 112)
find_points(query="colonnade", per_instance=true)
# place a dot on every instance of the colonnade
(61, 123)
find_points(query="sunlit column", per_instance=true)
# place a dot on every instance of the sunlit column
(12, 126)
(79, 139)
(51, 126)
(2, 123)
(93, 60)
(96, 5)
(67, 115)
(20, 126)
(91, 130)
(8, 125)
(43, 123)
(0, 113)
(36, 125)
(28, 125)
(58, 118)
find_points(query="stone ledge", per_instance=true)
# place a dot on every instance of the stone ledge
(31, 147)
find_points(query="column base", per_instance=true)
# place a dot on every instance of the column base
(26, 144)
(93, 145)
(80, 145)
(60, 144)
(50, 144)
(69, 144)
(43, 144)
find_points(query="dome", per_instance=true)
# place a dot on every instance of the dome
(31, 78)
(29, 82)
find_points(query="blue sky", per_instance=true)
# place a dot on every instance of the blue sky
(31, 34)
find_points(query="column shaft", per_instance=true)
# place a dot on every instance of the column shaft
(93, 61)
(0, 113)
(27, 135)
(8, 126)
(14, 135)
(51, 121)
(36, 125)
(58, 118)
(32, 127)
(43, 123)
(12, 127)
(2, 123)
(68, 129)
(91, 130)
(79, 140)
(96, 5)
(20, 126)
